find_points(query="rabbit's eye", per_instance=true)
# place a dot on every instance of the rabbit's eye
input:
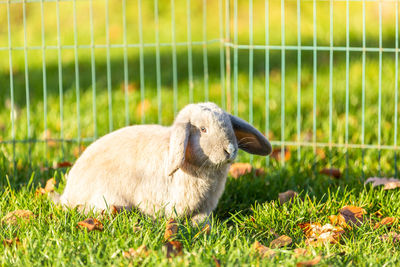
(203, 129)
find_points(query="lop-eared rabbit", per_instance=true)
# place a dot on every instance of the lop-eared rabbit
(177, 170)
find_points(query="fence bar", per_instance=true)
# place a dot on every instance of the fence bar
(298, 79)
(235, 59)
(363, 93)
(228, 55)
(221, 54)
(251, 55)
(267, 73)
(205, 54)
(396, 77)
(347, 86)
(109, 91)
(28, 116)
(93, 69)
(34, 1)
(189, 40)
(314, 77)
(126, 73)
(141, 63)
(283, 82)
(174, 67)
(158, 65)
(77, 78)
(60, 78)
(44, 79)
(10, 64)
(380, 89)
(330, 79)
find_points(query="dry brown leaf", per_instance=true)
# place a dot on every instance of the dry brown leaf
(388, 183)
(281, 241)
(338, 220)
(174, 248)
(171, 229)
(11, 242)
(353, 214)
(14, 216)
(50, 185)
(259, 172)
(63, 164)
(206, 229)
(321, 153)
(141, 252)
(287, 196)
(391, 236)
(277, 154)
(385, 221)
(332, 172)
(312, 262)
(298, 252)
(262, 250)
(91, 224)
(239, 169)
(216, 261)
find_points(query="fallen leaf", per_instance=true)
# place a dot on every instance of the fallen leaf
(281, 241)
(391, 236)
(171, 229)
(321, 153)
(332, 172)
(216, 261)
(277, 154)
(388, 183)
(353, 214)
(259, 172)
(174, 248)
(312, 262)
(11, 242)
(91, 224)
(317, 234)
(130, 88)
(298, 252)
(50, 185)
(78, 150)
(13, 217)
(338, 220)
(287, 196)
(143, 107)
(63, 164)
(262, 250)
(385, 221)
(239, 169)
(141, 252)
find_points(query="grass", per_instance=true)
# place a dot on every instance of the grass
(249, 208)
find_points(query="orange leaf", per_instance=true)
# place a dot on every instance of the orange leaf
(141, 251)
(171, 229)
(216, 261)
(281, 241)
(353, 214)
(391, 236)
(239, 169)
(287, 196)
(91, 224)
(385, 221)
(338, 220)
(277, 154)
(262, 250)
(332, 172)
(14, 216)
(312, 262)
(11, 242)
(300, 252)
(50, 185)
(174, 248)
(317, 234)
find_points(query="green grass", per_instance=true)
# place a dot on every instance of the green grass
(248, 208)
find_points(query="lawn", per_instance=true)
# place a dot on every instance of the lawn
(58, 122)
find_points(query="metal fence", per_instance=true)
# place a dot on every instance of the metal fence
(313, 75)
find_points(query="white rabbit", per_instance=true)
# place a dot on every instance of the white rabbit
(177, 170)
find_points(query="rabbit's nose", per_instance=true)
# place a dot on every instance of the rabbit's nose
(230, 151)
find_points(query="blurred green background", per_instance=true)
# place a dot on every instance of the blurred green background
(46, 122)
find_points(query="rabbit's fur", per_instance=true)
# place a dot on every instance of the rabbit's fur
(177, 170)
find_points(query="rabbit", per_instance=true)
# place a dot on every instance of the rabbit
(178, 170)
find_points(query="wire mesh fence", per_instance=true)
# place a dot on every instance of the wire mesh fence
(320, 78)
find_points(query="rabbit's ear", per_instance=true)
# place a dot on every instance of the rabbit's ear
(249, 138)
(177, 145)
